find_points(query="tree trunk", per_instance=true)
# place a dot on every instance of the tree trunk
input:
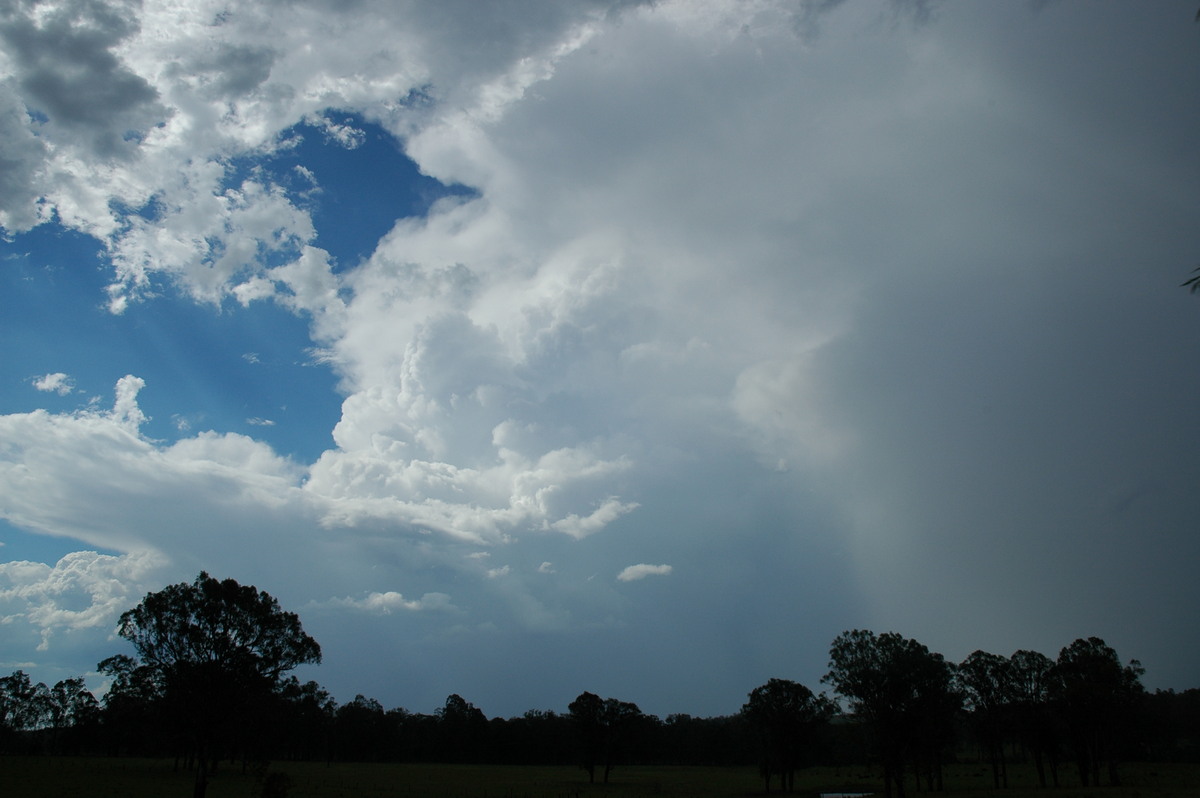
(201, 783)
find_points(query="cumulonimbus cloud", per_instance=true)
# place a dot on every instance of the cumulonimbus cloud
(745, 251)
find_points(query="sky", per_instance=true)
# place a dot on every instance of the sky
(528, 348)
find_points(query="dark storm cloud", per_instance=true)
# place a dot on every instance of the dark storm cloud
(68, 71)
(230, 71)
(21, 154)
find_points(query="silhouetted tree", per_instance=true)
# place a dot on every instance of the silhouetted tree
(621, 719)
(541, 737)
(217, 649)
(603, 727)
(463, 727)
(133, 718)
(23, 706)
(787, 717)
(1035, 720)
(363, 731)
(36, 718)
(304, 719)
(904, 693)
(720, 740)
(1097, 696)
(936, 705)
(1173, 724)
(986, 682)
(71, 707)
(587, 713)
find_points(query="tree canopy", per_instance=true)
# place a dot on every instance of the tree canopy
(905, 694)
(785, 715)
(216, 650)
(911, 710)
(210, 622)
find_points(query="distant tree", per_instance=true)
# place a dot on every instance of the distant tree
(1173, 725)
(463, 727)
(304, 720)
(132, 716)
(23, 708)
(905, 695)
(587, 713)
(720, 740)
(1035, 720)
(71, 703)
(71, 707)
(603, 727)
(541, 737)
(986, 683)
(787, 717)
(621, 719)
(937, 705)
(1097, 697)
(218, 649)
(17, 707)
(362, 731)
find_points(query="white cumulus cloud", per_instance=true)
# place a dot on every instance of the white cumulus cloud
(391, 601)
(57, 382)
(83, 590)
(641, 571)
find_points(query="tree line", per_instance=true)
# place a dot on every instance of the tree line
(209, 686)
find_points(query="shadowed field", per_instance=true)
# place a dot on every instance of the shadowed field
(69, 777)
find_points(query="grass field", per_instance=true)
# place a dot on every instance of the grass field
(73, 777)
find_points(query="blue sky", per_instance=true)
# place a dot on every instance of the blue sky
(526, 349)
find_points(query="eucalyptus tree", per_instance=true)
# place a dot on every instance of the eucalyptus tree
(1096, 695)
(217, 650)
(986, 683)
(71, 708)
(462, 728)
(905, 695)
(787, 717)
(604, 727)
(1035, 720)
(22, 703)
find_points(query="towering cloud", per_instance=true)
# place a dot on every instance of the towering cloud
(857, 313)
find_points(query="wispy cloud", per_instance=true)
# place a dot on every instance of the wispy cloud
(345, 135)
(579, 527)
